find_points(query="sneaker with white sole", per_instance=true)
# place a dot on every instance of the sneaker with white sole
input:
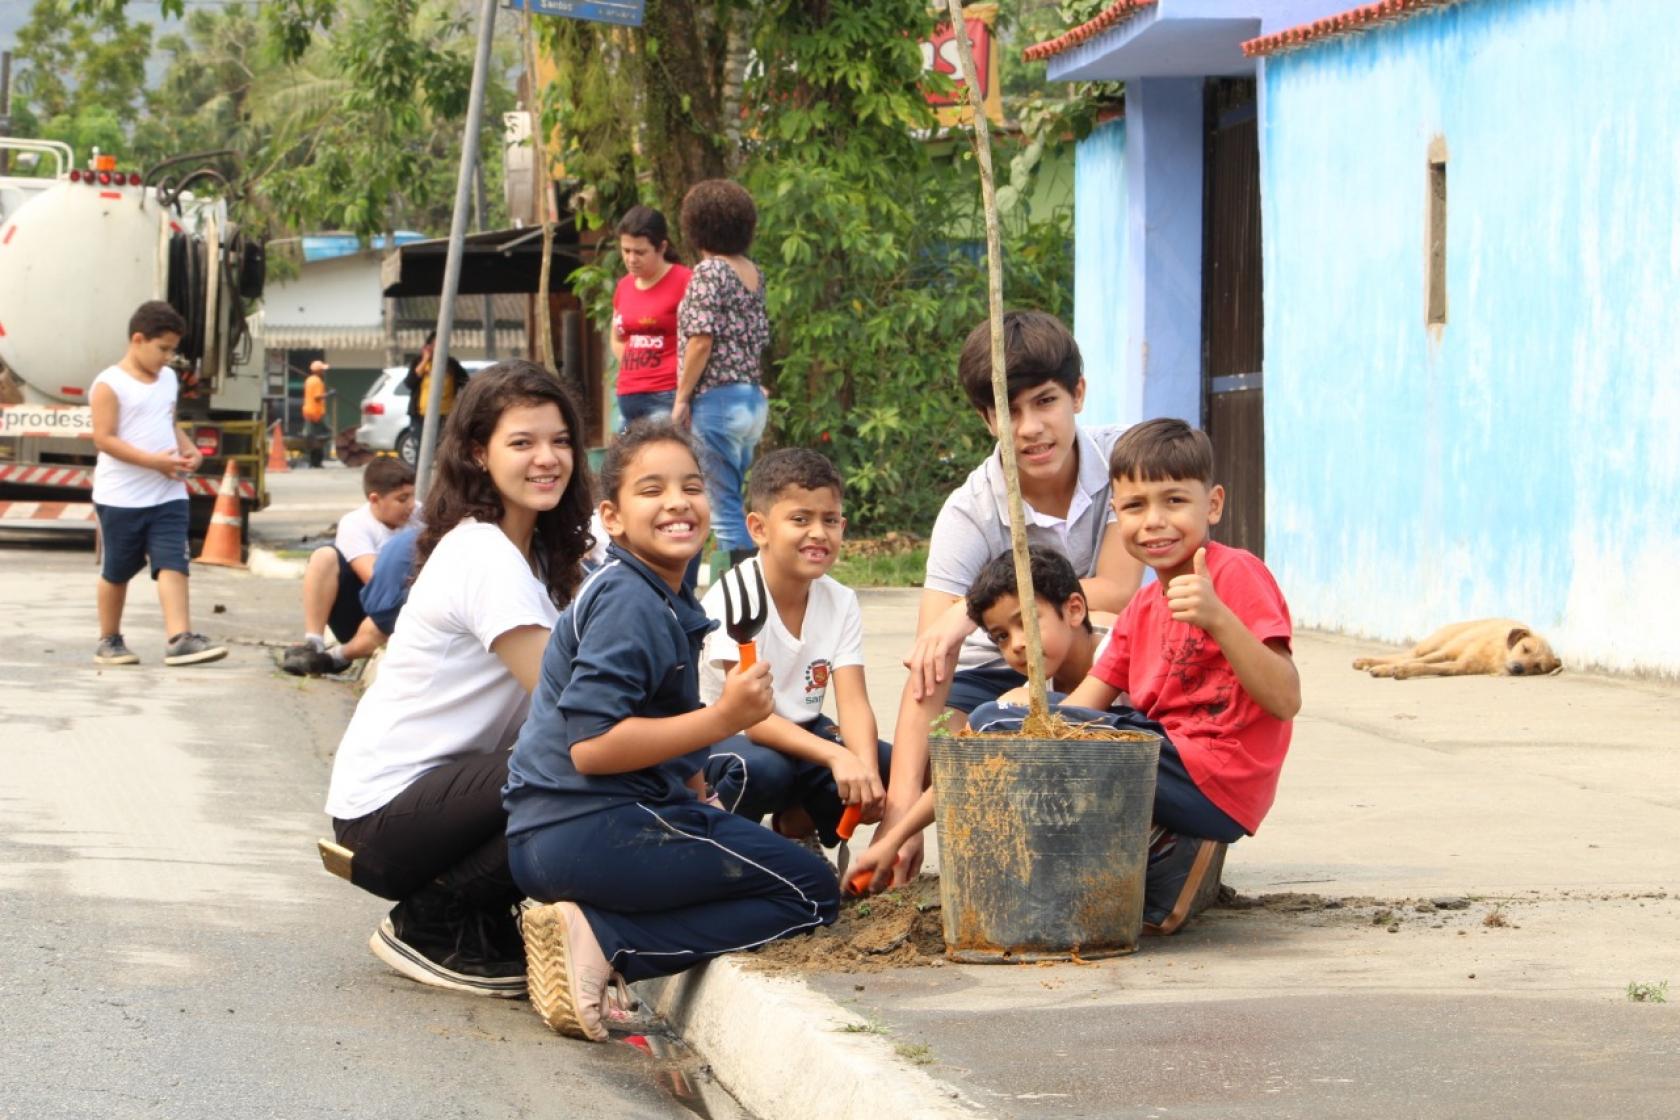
(432, 939)
(188, 648)
(112, 651)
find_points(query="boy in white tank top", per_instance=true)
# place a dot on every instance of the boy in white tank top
(138, 491)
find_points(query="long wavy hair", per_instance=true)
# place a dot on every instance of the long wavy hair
(461, 489)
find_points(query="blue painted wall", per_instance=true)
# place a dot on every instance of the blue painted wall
(1100, 226)
(1525, 460)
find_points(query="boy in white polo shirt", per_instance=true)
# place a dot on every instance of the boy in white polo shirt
(1065, 489)
(798, 766)
(138, 488)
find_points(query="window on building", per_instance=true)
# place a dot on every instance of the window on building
(1437, 296)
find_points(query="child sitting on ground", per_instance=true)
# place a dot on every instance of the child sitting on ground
(606, 822)
(1205, 653)
(798, 765)
(337, 573)
(1070, 645)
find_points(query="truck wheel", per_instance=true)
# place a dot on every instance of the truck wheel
(408, 446)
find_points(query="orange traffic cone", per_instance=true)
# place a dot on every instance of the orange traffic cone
(222, 543)
(277, 450)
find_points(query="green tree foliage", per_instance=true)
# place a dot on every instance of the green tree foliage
(869, 228)
(348, 114)
(80, 75)
(366, 134)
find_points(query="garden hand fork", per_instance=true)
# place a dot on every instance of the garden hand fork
(742, 619)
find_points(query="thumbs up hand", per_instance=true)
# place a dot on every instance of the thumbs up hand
(1191, 597)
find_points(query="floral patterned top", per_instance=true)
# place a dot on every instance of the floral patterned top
(719, 305)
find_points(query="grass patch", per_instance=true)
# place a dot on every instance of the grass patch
(869, 1027)
(917, 1053)
(1638, 992)
(859, 568)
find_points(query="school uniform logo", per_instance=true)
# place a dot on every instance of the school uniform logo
(816, 682)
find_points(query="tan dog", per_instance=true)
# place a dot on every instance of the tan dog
(1488, 646)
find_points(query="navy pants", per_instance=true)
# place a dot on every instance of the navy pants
(667, 886)
(753, 780)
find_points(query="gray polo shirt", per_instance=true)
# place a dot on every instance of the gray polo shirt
(973, 527)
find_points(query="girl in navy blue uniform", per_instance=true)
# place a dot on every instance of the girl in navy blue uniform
(607, 818)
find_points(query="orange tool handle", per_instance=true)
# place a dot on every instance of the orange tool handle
(749, 656)
(861, 881)
(849, 821)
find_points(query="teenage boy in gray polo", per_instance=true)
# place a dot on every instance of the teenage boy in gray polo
(1064, 487)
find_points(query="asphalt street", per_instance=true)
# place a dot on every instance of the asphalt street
(173, 946)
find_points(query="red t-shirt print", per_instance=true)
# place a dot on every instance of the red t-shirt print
(646, 319)
(1176, 674)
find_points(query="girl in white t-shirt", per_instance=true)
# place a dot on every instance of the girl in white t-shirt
(416, 786)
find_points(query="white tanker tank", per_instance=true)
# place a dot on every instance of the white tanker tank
(79, 251)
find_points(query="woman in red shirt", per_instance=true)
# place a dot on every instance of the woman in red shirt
(644, 334)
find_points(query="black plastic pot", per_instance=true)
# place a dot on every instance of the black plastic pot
(1043, 845)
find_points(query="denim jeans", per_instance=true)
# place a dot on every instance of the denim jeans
(638, 406)
(729, 421)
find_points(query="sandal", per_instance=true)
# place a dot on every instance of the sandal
(568, 978)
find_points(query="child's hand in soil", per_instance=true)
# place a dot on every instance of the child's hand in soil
(748, 697)
(876, 862)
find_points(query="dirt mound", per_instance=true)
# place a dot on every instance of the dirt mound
(897, 929)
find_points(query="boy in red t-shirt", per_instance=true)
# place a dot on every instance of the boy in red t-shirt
(1204, 653)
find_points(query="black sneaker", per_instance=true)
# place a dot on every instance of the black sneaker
(112, 651)
(1182, 881)
(433, 939)
(192, 649)
(306, 661)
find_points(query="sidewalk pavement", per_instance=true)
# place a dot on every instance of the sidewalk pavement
(1544, 811)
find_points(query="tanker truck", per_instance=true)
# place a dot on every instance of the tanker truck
(80, 249)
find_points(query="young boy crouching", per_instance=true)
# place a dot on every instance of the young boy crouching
(798, 765)
(1204, 653)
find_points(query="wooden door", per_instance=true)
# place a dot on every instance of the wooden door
(1232, 311)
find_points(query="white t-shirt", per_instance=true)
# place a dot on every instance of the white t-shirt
(145, 421)
(441, 694)
(360, 533)
(800, 668)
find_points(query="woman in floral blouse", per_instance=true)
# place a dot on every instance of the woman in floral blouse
(722, 332)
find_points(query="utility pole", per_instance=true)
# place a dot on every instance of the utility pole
(5, 108)
(457, 243)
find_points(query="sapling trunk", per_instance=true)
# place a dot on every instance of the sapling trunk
(1037, 689)
(544, 184)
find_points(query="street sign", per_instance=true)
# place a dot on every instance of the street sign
(626, 13)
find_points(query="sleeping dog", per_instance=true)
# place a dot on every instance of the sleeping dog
(1488, 646)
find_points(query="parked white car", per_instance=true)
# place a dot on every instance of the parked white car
(385, 425)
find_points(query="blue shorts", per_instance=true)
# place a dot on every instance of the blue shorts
(973, 687)
(387, 588)
(133, 535)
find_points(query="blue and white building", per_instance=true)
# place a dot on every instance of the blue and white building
(1416, 266)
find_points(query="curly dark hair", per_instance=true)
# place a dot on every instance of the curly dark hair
(787, 467)
(718, 216)
(622, 452)
(461, 489)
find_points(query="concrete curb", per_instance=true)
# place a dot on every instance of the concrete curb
(783, 1052)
